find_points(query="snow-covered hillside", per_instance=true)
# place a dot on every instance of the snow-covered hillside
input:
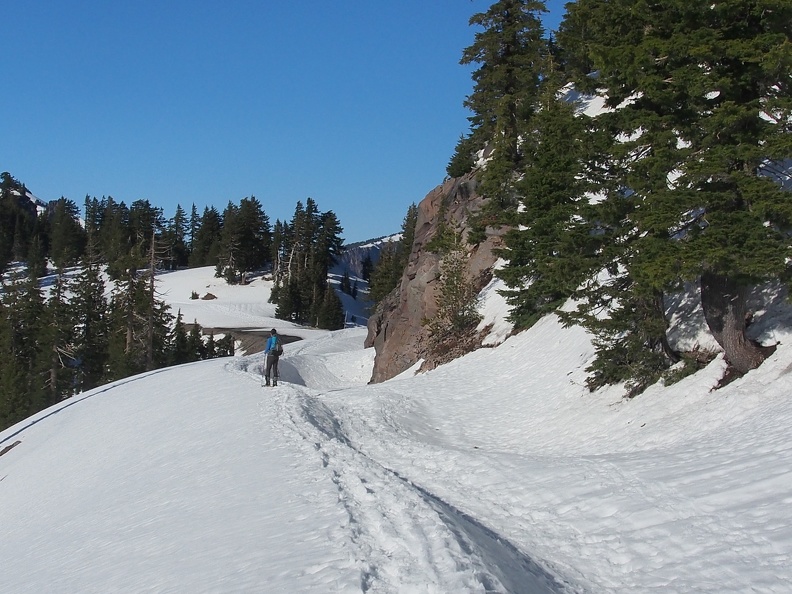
(496, 473)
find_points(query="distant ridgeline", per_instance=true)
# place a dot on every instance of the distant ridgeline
(359, 259)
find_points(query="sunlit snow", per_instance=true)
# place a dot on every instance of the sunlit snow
(498, 472)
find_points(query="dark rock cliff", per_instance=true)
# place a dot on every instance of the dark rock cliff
(397, 328)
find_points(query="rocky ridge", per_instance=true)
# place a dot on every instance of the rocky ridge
(397, 329)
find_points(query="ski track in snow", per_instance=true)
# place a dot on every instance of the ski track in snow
(404, 537)
(495, 473)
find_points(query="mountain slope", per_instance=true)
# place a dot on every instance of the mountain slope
(498, 472)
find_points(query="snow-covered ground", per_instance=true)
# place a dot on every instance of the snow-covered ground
(496, 473)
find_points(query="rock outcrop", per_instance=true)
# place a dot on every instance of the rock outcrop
(397, 329)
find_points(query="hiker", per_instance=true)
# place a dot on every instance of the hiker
(273, 350)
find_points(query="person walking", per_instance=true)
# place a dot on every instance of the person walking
(273, 350)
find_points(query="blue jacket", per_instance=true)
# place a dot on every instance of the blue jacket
(271, 344)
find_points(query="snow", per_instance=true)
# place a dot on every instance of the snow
(498, 472)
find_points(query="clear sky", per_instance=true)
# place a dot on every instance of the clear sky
(357, 104)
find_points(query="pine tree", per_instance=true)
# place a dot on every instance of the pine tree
(306, 249)
(175, 238)
(14, 405)
(510, 51)
(393, 259)
(194, 225)
(89, 308)
(702, 92)
(59, 341)
(180, 343)
(557, 241)
(68, 239)
(254, 236)
(330, 312)
(206, 245)
(25, 331)
(457, 301)
(195, 343)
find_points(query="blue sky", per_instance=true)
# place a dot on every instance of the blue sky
(357, 104)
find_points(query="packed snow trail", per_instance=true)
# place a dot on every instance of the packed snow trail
(407, 539)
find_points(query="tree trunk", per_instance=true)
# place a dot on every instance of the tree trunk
(723, 302)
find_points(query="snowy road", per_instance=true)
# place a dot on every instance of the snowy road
(404, 538)
(195, 479)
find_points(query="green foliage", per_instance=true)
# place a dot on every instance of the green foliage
(393, 259)
(510, 50)
(681, 164)
(464, 159)
(330, 315)
(304, 250)
(457, 301)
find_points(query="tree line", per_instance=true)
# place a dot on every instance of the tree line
(675, 181)
(99, 318)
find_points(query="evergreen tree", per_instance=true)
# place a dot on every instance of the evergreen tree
(195, 224)
(702, 97)
(558, 240)
(227, 265)
(180, 349)
(17, 220)
(23, 307)
(457, 301)
(384, 275)
(393, 259)
(254, 236)
(366, 268)
(59, 341)
(89, 308)
(306, 249)
(67, 238)
(225, 346)
(36, 258)
(195, 343)
(510, 50)
(346, 283)
(206, 245)
(330, 312)
(14, 405)
(175, 238)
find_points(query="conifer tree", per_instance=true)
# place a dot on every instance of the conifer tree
(509, 49)
(307, 247)
(89, 308)
(702, 100)
(393, 259)
(175, 238)
(60, 340)
(67, 237)
(14, 405)
(180, 343)
(195, 223)
(330, 314)
(206, 245)
(23, 306)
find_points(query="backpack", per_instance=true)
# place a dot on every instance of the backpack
(278, 346)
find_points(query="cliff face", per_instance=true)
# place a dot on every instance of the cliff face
(351, 259)
(396, 330)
